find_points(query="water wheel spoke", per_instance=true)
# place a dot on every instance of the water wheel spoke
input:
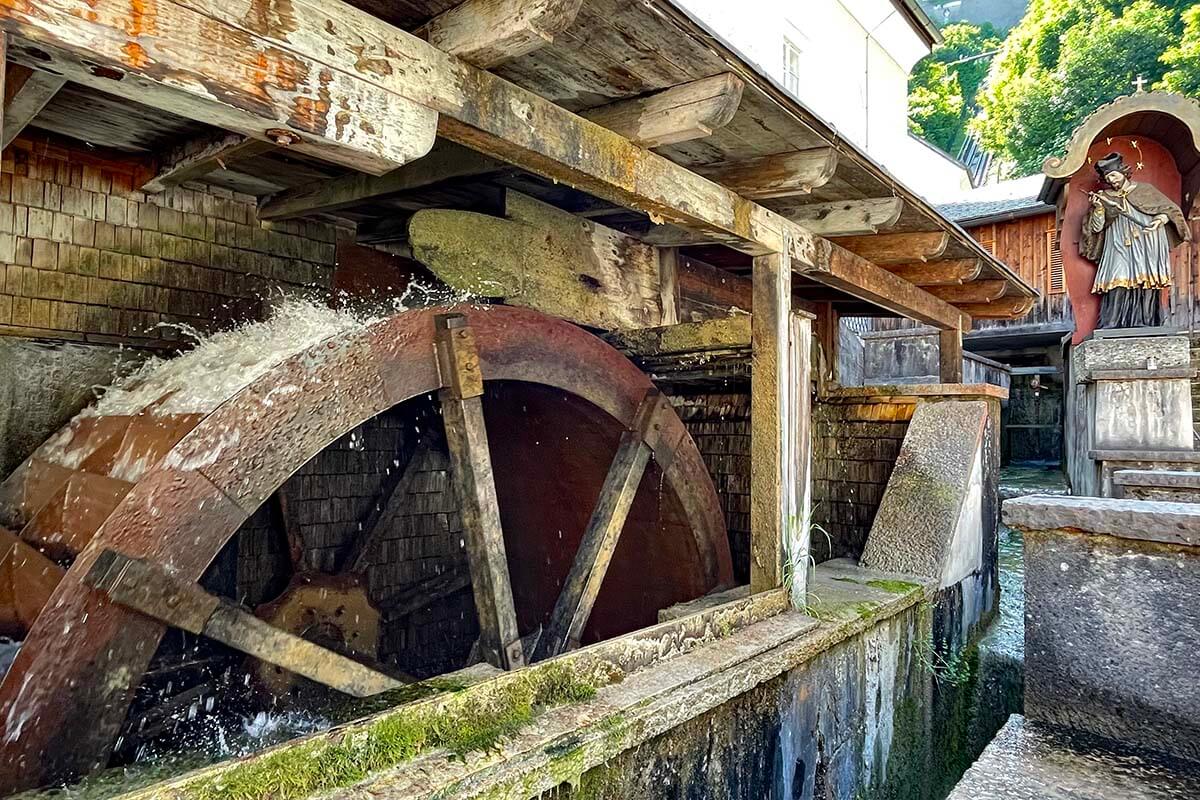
(475, 486)
(151, 590)
(291, 531)
(579, 592)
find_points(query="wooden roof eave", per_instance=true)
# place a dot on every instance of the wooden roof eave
(850, 157)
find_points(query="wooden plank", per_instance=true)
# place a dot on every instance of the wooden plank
(27, 580)
(844, 217)
(679, 114)
(668, 285)
(724, 333)
(196, 158)
(975, 292)
(1004, 308)
(446, 161)
(390, 497)
(708, 292)
(543, 258)
(151, 590)
(291, 530)
(237, 77)
(950, 356)
(781, 175)
(26, 92)
(828, 332)
(948, 272)
(471, 471)
(769, 405)
(798, 430)
(583, 582)
(897, 248)
(487, 33)
(860, 278)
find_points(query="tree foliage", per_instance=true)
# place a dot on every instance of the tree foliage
(1068, 57)
(944, 84)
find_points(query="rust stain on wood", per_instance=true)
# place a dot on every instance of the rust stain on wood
(313, 115)
(271, 17)
(371, 64)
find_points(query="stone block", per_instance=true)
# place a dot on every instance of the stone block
(930, 518)
(1137, 352)
(1111, 634)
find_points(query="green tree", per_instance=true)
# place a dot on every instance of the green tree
(1183, 59)
(1065, 59)
(944, 84)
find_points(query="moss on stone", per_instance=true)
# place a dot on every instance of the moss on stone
(894, 587)
(473, 722)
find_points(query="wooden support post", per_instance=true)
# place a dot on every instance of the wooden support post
(668, 285)
(579, 592)
(828, 332)
(770, 381)
(798, 546)
(471, 468)
(950, 348)
(151, 590)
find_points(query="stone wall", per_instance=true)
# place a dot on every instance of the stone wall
(720, 426)
(855, 445)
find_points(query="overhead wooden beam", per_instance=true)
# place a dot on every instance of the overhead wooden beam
(475, 486)
(974, 292)
(769, 382)
(781, 175)
(543, 258)
(446, 161)
(1004, 308)
(245, 78)
(724, 333)
(679, 114)
(898, 248)
(26, 92)
(486, 33)
(198, 157)
(948, 272)
(858, 277)
(151, 590)
(844, 217)
(582, 586)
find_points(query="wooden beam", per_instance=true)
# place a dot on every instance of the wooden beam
(860, 278)
(668, 285)
(579, 592)
(679, 114)
(240, 76)
(26, 92)
(827, 329)
(543, 258)
(487, 33)
(897, 248)
(975, 292)
(949, 272)
(414, 597)
(1004, 308)
(723, 333)
(950, 355)
(471, 470)
(196, 158)
(769, 382)
(781, 175)
(844, 217)
(706, 292)
(446, 161)
(390, 497)
(151, 590)
(797, 542)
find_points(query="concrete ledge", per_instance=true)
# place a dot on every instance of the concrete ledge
(1158, 478)
(1146, 520)
(1166, 456)
(1172, 373)
(916, 392)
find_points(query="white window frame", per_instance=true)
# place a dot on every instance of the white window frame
(793, 59)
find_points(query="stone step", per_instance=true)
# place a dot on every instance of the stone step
(1171, 485)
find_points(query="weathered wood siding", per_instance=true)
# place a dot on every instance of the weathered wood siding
(1030, 246)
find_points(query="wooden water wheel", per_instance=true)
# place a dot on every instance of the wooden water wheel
(117, 517)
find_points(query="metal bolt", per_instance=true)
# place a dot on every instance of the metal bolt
(282, 137)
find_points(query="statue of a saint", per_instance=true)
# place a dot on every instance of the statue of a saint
(1128, 233)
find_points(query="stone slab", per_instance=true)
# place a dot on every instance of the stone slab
(1154, 414)
(1167, 523)
(1131, 353)
(1111, 630)
(1164, 478)
(936, 479)
(1029, 762)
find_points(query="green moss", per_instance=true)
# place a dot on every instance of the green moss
(473, 722)
(895, 587)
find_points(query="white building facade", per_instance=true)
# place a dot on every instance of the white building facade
(848, 61)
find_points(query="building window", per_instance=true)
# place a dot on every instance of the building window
(791, 66)
(1056, 282)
